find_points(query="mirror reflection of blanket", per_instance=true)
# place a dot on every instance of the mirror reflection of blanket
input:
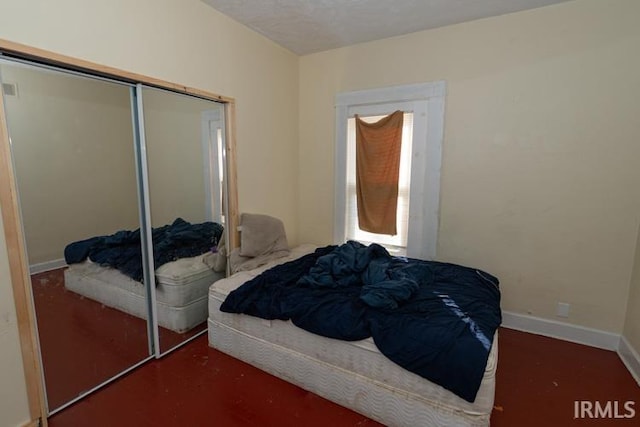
(435, 319)
(122, 250)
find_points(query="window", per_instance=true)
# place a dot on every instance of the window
(419, 186)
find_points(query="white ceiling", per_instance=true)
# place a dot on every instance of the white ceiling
(308, 26)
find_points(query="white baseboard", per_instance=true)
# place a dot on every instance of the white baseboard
(561, 330)
(47, 266)
(630, 358)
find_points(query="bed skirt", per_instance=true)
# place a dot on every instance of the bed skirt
(374, 399)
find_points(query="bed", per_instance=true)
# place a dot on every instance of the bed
(354, 374)
(181, 290)
(108, 269)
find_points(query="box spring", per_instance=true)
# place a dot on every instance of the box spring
(181, 290)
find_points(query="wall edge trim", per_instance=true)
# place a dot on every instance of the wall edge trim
(41, 267)
(561, 330)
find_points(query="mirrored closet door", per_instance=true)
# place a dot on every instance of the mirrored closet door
(72, 141)
(122, 195)
(184, 146)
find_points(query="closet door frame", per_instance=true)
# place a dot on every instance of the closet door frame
(12, 223)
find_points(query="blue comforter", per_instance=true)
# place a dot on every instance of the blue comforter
(122, 250)
(435, 319)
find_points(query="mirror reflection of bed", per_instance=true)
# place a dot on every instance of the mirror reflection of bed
(107, 269)
(82, 177)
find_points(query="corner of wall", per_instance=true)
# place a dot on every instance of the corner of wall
(630, 358)
(629, 348)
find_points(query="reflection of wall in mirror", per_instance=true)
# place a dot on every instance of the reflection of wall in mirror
(175, 156)
(74, 158)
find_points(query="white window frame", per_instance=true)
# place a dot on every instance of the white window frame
(426, 100)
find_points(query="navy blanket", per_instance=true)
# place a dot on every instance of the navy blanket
(435, 319)
(122, 250)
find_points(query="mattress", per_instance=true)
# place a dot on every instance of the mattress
(181, 290)
(355, 374)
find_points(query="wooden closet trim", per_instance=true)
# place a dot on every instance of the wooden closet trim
(18, 265)
(20, 280)
(51, 58)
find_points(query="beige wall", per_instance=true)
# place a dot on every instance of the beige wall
(632, 324)
(187, 42)
(540, 158)
(72, 143)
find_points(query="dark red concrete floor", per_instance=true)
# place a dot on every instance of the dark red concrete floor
(540, 378)
(84, 342)
(199, 386)
(538, 381)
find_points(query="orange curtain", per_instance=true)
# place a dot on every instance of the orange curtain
(377, 172)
